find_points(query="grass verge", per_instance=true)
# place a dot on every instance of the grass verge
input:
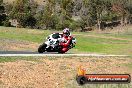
(86, 42)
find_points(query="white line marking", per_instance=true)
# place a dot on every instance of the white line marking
(95, 55)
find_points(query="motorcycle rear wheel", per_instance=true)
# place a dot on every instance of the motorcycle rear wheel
(59, 50)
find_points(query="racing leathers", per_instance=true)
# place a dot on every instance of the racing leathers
(66, 43)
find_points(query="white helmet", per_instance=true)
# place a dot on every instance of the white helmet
(66, 31)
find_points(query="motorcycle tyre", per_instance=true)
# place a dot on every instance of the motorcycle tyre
(41, 48)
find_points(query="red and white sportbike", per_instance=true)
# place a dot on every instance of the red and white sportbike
(53, 44)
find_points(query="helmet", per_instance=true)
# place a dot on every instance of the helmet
(66, 31)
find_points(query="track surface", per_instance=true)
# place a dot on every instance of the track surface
(23, 52)
(29, 53)
(17, 52)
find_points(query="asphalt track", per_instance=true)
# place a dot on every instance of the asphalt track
(21, 52)
(30, 53)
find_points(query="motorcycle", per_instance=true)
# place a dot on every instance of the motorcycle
(53, 44)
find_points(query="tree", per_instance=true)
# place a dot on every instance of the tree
(46, 16)
(92, 12)
(55, 14)
(23, 11)
(2, 13)
(66, 10)
(2, 8)
(123, 8)
(1, 1)
(95, 12)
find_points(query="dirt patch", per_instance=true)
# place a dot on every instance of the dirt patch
(53, 72)
(17, 45)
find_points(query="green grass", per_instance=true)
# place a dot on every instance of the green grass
(7, 59)
(13, 59)
(89, 44)
(103, 45)
(23, 34)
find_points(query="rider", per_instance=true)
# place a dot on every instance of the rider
(66, 36)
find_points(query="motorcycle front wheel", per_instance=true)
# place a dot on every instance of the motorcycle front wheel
(42, 48)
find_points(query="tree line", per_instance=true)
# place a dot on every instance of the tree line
(75, 14)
